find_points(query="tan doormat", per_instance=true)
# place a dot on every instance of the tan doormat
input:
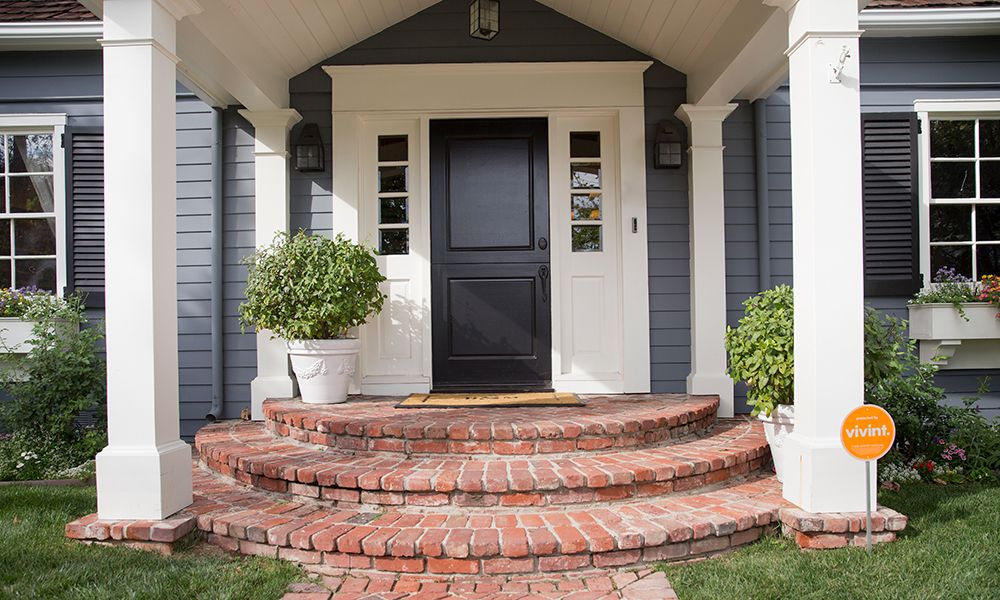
(490, 400)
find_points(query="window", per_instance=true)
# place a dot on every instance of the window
(393, 194)
(31, 190)
(585, 191)
(963, 193)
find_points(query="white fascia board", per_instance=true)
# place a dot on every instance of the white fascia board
(50, 35)
(32, 120)
(925, 22)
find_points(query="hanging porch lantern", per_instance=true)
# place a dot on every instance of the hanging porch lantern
(484, 19)
(667, 149)
(309, 150)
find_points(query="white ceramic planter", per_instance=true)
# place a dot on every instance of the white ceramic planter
(777, 428)
(951, 342)
(324, 368)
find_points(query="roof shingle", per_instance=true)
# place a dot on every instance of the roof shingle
(19, 11)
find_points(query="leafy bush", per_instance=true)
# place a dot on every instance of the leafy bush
(761, 349)
(933, 441)
(309, 287)
(61, 377)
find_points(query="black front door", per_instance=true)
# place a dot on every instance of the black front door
(491, 283)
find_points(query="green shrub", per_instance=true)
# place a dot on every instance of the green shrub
(310, 287)
(761, 349)
(61, 377)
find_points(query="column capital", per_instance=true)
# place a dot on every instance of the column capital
(181, 8)
(281, 117)
(690, 113)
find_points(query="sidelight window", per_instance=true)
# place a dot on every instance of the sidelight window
(586, 211)
(393, 194)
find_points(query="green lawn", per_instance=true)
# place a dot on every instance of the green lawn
(36, 561)
(951, 549)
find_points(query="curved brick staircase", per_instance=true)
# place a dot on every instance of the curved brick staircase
(363, 485)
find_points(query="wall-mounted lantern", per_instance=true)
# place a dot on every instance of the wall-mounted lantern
(308, 154)
(668, 147)
(484, 19)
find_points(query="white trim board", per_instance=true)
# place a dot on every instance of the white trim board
(596, 96)
(914, 22)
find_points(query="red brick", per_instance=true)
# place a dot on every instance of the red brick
(513, 542)
(506, 566)
(616, 559)
(820, 541)
(522, 500)
(709, 544)
(563, 563)
(310, 557)
(452, 566)
(400, 565)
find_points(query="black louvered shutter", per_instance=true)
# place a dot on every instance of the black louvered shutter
(85, 212)
(889, 189)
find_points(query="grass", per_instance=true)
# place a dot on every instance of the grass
(951, 549)
(38, 562)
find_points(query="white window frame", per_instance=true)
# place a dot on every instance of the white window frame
(927, 111)
(54, 124)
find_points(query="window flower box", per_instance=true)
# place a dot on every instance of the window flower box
(953, 342)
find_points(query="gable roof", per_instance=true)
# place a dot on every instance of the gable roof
(23, 11)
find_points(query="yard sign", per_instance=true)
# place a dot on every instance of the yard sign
(868, 433)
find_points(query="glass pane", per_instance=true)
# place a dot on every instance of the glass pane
(989, 185)
(989, 137)
(951, 223)
(392, 179)
(988, 260)
(585, 144)
(586, 207)
(585, 175)
(394, 241)
(5, 281)
(33, 237)
(953, 180)
(5, 238)
(3, 154)
(40, 273)
(31, 194)
(30, 153)
(586, 238)
(988, 222)
(392, 148)
(955, 257)
(952, 138)
(3, 193)
(392, 210)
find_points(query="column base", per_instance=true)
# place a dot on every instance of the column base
(149, 483)
(718, 384)
(262, 388)
(821, 477)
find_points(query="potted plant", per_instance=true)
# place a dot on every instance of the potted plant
(761, 354)
(311, 290)
(954, 309)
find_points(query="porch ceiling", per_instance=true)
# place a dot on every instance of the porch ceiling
(246, 50)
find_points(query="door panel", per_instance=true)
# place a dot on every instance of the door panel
(491, 315)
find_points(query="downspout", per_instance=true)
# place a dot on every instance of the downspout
(215, 270)
(763, 199)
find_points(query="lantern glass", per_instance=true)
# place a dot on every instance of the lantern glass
(308, 151)
(484, 19)
(668, 150)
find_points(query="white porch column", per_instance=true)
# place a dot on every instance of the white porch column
(708, 253)
(827, 252)
(145, 471)
(274, 379)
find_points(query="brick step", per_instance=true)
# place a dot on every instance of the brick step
(375, 424)
(249, 453)
(487, 542)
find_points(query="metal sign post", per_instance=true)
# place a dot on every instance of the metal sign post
(868, 505)
(867, 434)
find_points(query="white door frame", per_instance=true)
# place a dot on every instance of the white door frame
(588, 96)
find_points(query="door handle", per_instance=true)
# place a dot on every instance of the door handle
(543, 274)
(543, 243)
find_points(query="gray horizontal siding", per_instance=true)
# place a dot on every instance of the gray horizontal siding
(894, 73)
(72, 83)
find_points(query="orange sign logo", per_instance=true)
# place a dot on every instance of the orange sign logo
(868, 432)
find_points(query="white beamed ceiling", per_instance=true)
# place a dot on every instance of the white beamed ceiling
(245, 51)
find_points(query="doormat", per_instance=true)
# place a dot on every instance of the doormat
(490, 400)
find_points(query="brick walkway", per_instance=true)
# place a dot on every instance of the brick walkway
(643, 584)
